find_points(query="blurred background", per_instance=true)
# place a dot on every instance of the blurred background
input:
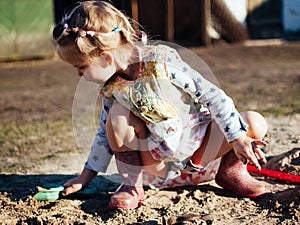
(25, 26)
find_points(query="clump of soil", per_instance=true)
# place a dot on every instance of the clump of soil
(288, 162)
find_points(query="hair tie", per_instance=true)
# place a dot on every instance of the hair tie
(83, 33)
(142, 36)
(80, 32)
(91, 33)
(116, 29)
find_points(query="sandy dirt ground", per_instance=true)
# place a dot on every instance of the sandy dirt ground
(38, 146)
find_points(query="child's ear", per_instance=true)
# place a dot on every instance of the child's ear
(107, 57)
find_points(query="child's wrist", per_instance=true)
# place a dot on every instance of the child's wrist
(87, 175)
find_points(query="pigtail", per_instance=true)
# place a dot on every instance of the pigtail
(132, 35)
(82, 45)
(128, 32)
(60, 34)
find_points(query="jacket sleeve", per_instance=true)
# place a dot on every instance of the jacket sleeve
(100, 154)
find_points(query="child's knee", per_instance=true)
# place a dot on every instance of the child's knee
(122, 129)
(257, 124)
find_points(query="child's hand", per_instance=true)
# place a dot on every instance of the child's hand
(76, 184)
(73, 185)
(247, 150)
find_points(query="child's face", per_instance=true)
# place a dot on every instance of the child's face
(97, 69)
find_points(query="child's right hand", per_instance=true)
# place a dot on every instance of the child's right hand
(76, 184)
(72, 186)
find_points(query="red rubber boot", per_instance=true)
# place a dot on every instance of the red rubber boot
(233, 175)
(131, 192)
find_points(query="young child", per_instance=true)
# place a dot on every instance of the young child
(165, 124)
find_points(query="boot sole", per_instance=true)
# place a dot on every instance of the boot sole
(228, 187)
(115, 207)
(133, 206)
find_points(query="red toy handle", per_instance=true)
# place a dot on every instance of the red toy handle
(275, 174)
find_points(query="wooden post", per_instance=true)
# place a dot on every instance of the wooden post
(135, 14)
(205, 21)
(170, 20)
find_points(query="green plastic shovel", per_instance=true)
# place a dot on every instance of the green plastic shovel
(52, 192)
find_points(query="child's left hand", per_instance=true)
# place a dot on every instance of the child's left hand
(247, 150)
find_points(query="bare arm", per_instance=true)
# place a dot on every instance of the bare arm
(83, 180)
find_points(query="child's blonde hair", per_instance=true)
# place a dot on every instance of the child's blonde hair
(94, 26)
